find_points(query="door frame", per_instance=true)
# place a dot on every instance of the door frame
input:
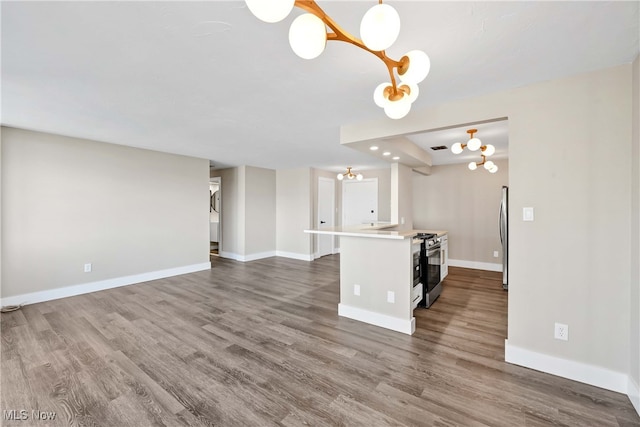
(332, 204)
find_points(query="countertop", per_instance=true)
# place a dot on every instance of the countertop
(374, 230)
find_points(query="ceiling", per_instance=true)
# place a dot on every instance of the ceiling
(208, 79)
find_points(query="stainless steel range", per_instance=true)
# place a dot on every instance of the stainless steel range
(430, 261)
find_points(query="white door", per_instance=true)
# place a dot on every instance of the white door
(326, 214)
(359, 201)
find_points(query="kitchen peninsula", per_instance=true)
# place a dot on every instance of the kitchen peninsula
(376, 274)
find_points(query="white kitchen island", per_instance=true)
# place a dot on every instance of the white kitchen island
(376, 272)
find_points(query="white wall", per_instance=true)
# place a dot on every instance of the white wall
(634, 369)
(466, 204)
(68, 201)
(569, 155)
(294, 213)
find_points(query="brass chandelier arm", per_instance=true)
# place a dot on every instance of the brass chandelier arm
(341, 35)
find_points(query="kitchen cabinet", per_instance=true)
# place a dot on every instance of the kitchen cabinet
(444, 256)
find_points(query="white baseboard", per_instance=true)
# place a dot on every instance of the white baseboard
(336, 251)
(476, 265)
(395, 324)
(85, 288)
(633, 391)
(577, 371)
(245, 258)
(293, 255)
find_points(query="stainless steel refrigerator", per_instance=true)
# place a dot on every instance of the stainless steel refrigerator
(504, 236)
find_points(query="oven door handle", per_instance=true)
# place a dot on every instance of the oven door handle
(432, 250)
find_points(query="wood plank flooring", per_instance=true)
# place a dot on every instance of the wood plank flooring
(260, 344)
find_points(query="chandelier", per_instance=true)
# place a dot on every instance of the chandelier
(473, 145)
(379, 29)
(349, 175)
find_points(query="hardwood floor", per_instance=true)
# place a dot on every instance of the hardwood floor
(260, 343)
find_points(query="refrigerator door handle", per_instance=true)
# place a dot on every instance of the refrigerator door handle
(500, 223)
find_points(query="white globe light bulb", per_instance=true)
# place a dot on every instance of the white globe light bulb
(474, 144)
(488, 165)
(340, 177)
(380, 27)
(489, 150)
(398, 109)
(270, 10)
(351, 176)
(419, 66)
(414, 90)
(378, 95)
(359, 177)
(308, 36)
(456, 148)
(472, 166)
(494, 169)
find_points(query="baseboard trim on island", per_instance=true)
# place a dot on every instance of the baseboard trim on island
(100, 285)
(571, 369)
(388, 322)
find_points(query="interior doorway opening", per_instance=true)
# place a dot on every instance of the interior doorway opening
(215, 216)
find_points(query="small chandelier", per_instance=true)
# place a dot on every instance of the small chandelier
(379, 29)
(485, 151)
(349, 175)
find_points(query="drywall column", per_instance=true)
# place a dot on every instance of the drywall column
(248, 213)
(401, 196)
(294, 213)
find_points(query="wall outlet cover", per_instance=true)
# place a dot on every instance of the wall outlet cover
(356, 290)
(87, 268)
(391, 297)
(495, 254)
(561, 332)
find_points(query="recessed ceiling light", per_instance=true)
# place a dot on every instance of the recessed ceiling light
(386, 153)
(396, 158)
(373, 148)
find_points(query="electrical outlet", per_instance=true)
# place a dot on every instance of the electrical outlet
(561, 332)
(356, 290)
(391, 297)
(495, 254)
(87, 268)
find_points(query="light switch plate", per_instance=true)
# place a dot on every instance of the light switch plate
(356, 290)
(527, 214)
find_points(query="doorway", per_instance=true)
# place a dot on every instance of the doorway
(215, 216)
(359, 202)
(326, 216)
